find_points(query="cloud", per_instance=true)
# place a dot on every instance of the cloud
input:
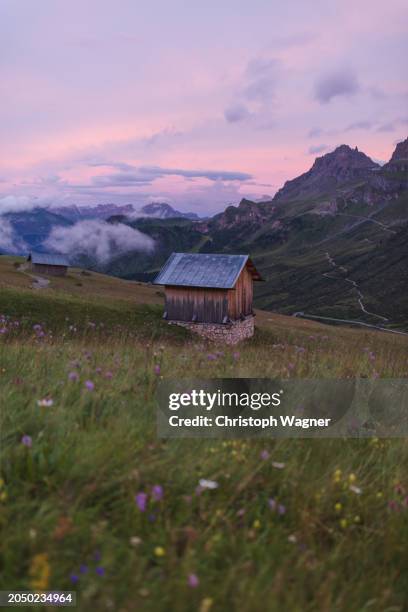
(97, 239)
(339, 83)
(386, 127)
(262, 76)
(314, 132)
(317, 149)
(359, 125)
(9, 242)
(11, 203)
(145, 175)
(236, 113)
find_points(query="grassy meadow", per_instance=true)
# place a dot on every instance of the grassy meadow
(92, 501)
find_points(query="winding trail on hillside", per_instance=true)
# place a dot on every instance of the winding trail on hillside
(305, 315)
(360, 296)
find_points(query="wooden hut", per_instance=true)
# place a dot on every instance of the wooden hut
(48, 263)
(208, 288)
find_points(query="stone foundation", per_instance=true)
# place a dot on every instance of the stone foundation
(228, 333)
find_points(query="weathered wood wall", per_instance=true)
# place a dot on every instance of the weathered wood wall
(48, 269)
(184, 303)
(210, 305)
(240, 298)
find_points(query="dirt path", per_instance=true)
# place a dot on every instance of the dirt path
(305, 315)
(360, 296)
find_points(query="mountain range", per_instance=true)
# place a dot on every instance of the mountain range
(332, 242)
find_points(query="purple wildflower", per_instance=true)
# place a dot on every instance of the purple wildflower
(100, 570)
(27, 441)
(193, 581)
(272, 503)
(281, 509)
(157, 369)
(89, 385)
(83, 569)
(73, 376)
(141, 501)
(74, 578)
(264, 455)
(157, 492)
(108, 374)
(211, 357)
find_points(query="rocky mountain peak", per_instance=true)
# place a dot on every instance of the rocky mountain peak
(401, 151)
(340, 166)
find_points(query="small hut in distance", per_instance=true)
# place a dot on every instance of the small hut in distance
(48, 263)
(211, 294)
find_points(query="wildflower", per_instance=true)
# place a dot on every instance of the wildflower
(393, 505)
(100, 570)
(211, 357)
(272, 503)
(83, 569)
(193, 581)
(337, 475)
(281, 509)
(89, 385)
(74, 578)
(47, 402)
(27, 441)
(235, 356)
(159, 551)
(355, 489)
(256, 524)
(108, 374)
(292, 538)
(135, 541)
(264, 455)
(338, 507)
(357, 519)
(352, 478)
(73, 376)
(206, 604)
(278, 465)
(141, 501)
(157, 492)
(343, 523)
(208, 484)
(39, 572)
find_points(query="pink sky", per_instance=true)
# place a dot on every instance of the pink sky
(194, 104)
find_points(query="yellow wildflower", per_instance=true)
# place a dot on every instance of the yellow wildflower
(39, 572)
(352, 478)
(256, 524)
(343, 523)
(206, 604)
(159, 551)
(338, 507)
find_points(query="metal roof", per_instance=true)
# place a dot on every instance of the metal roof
(48, 259)
(209, 270)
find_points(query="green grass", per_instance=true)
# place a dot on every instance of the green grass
(67, 503)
